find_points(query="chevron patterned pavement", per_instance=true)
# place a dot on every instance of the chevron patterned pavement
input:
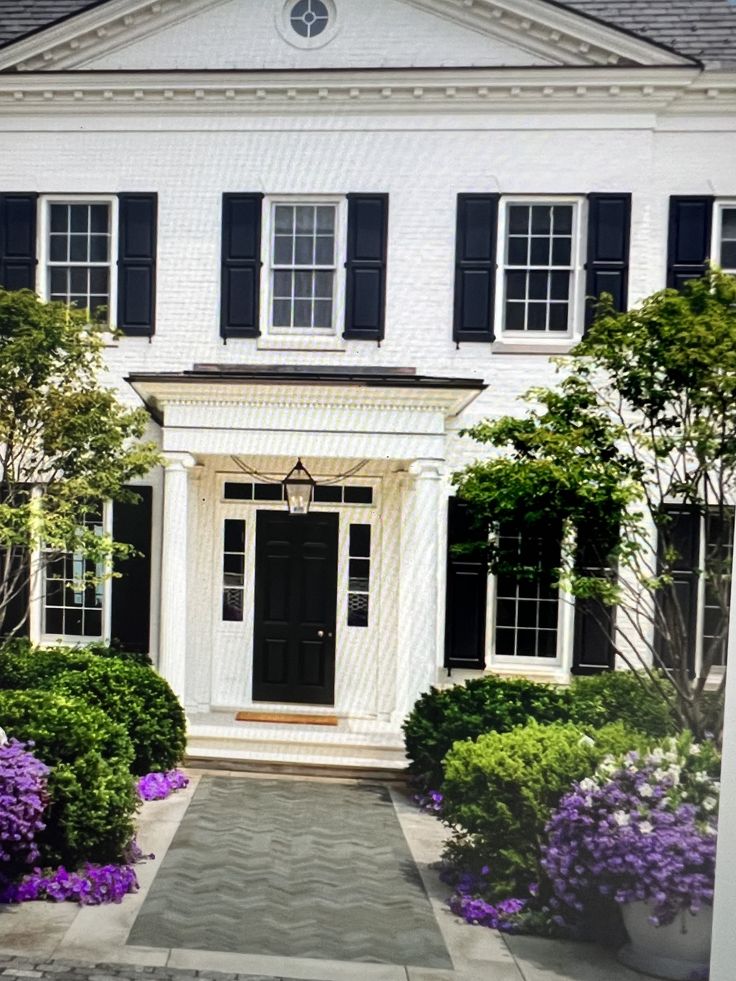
(292, 869)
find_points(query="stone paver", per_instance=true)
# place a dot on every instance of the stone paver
(292, 869)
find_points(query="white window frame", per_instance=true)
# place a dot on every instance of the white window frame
(716, 244)
(338, 309)
(539, 664)
(577, 279)
(44, 230)
(76, 640)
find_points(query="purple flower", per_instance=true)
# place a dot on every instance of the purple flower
(23, 800)
(159, 786)
(92, 886)
(652, 847)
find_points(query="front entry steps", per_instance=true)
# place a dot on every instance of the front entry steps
(215, 739)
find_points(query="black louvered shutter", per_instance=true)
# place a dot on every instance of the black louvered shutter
(137, 238)
(677, 605)
(609, 233)
(241, 265)
(365, 290)
(18, 241)
(131, 593)
(690, 224)
(593, 647)
(467, 586)
(475, 266)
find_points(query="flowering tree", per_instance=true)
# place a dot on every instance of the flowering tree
(62, 432)
(644, 416)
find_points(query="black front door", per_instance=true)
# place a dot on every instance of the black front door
(295, 608)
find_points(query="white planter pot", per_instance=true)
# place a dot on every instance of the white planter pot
(678, 951)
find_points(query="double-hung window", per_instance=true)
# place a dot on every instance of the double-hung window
(78, 249)
(539, 267)
(725, 231)
(73, 606)
(304, 244)
(527, 607)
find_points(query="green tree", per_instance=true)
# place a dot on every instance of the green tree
(66, 444)
(644, 415)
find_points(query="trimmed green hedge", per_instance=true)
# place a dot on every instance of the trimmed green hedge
(442, 716)
(92, 793)
(621, 696)
(500, 791)
(141, 701)
(131, 694)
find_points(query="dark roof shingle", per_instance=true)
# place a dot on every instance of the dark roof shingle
(701, 29)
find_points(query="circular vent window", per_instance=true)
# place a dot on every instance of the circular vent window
(309, 18)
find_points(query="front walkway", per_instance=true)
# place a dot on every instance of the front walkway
(306, 880)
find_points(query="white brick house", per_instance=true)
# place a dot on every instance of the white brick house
(341, 231)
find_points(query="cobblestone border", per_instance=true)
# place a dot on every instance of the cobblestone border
(33, 969)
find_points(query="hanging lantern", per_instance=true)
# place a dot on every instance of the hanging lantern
(299, 488)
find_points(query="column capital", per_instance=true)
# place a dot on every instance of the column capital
(179, 461)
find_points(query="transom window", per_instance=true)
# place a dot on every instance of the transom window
(79, 255)
(727, 243)
(303, 267)
(539, 267)
(72, 606)
(527, 608)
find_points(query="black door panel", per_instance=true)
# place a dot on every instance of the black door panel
(295, 608)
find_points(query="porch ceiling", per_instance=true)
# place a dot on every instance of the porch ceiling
(308, 410)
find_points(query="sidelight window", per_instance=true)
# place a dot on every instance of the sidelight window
(359, 575)
(233, 570)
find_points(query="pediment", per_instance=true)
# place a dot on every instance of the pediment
(249, 35)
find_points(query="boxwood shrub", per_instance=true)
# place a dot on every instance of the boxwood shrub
(141, 701)
(91, 791)
(621, 696)
(500, 791)
(22, 666)
(442, 716)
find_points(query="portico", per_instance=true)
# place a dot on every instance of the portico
(343, 618)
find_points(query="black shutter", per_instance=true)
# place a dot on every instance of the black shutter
(609, 232)
(677, 606)
(137, 264)
(131, 593)
(18, 241)
(365, 291)
(593, 648)
(475, 266)
(241, 265)
(691, 220)
(467, 585)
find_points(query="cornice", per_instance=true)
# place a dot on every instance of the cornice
(355, 92)
(543, 29)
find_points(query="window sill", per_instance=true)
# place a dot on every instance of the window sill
(520, 347)
(300, 342)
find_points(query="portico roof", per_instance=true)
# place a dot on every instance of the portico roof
(312, 409)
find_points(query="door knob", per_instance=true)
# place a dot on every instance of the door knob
(320, 633)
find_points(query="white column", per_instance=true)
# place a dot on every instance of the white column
(418, 654)
(173, 630)
(723, 957)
